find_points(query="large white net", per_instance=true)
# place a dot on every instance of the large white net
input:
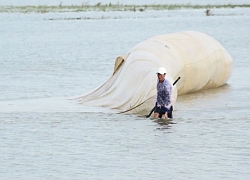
(197, 58)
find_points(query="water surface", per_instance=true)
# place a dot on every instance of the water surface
(46, 136)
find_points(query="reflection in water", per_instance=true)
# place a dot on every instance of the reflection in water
(164, 123)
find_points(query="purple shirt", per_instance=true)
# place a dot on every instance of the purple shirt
(164, 91)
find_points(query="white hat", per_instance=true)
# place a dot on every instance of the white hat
(161, 70)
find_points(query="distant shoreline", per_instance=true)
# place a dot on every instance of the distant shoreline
(111, 7)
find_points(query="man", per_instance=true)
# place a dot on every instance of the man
(163, 104)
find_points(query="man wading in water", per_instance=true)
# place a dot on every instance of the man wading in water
(163, 104)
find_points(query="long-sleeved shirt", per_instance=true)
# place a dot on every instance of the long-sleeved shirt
(164, 92)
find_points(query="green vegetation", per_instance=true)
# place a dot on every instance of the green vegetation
(110, 7)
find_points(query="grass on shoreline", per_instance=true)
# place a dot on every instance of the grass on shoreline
(110, 7)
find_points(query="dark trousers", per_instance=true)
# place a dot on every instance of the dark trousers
(163, 111)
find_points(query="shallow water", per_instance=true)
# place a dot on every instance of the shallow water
(46, 136)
